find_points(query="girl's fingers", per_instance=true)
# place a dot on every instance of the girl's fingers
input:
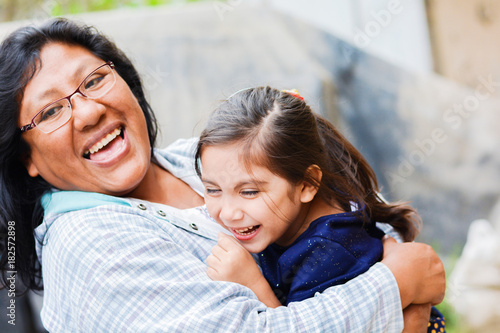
(227, 242)
(218, 252)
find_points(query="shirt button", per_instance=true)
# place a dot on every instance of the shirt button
(162, 213)
(141, 207)
(193, 226)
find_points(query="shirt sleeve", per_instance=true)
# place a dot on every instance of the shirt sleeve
(116, 273)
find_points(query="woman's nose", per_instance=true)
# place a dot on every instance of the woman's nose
(86, 112)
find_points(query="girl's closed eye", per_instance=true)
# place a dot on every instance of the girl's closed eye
(212, 191)
(249, 193)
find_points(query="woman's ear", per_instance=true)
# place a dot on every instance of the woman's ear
(31, 167)
(309, 189)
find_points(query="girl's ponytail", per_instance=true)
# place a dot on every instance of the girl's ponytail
(362, 183)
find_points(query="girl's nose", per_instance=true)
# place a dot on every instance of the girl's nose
(230, 212)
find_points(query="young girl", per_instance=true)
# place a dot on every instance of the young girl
(292, 189)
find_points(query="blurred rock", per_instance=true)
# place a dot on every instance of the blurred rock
(474, 285)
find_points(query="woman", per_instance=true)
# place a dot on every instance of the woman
(119, 241)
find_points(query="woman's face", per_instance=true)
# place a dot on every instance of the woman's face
(114, 121)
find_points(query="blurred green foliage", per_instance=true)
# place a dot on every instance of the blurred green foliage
(39, 9)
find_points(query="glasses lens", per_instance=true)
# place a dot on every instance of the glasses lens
(53, 116)
(99, 82)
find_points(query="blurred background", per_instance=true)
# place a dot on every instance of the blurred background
(413, 84)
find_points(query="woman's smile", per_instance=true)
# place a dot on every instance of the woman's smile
(110, 149)
(102, 144)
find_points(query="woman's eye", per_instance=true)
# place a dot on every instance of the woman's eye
(93, 83)
(50, 113)
(249, 193)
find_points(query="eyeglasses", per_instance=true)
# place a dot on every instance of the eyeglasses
(56, 114)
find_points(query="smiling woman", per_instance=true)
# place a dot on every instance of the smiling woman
(22, 56)
(119, 227)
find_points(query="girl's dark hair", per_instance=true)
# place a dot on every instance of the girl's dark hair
(280, 132)
(20, 194)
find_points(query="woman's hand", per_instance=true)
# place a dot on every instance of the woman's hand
(416, 318)
(418, 271)
(231, 262)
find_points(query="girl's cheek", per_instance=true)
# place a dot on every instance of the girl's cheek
(222, 224)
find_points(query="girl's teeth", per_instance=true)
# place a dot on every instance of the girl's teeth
(245, 230)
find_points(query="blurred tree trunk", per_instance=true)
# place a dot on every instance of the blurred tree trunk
(27, 9)
(8, 10)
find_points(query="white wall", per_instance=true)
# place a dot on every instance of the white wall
(395, 30)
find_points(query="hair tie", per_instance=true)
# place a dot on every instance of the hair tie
(294, 93)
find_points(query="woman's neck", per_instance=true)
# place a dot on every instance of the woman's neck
(159, 185)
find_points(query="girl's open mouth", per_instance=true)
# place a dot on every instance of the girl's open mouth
(245, 234)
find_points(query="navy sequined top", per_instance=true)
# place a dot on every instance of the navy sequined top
(334, 249)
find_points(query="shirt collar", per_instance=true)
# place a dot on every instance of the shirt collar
(57, 202)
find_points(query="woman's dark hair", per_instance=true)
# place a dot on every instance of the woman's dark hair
(280, 132)
(20, 194)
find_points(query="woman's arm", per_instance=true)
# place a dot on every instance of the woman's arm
(418, 271)
(231, 262)
(116, 269)
(416, 318)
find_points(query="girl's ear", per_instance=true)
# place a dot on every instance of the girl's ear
(309, 190)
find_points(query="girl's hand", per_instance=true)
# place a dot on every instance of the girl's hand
(230, 261)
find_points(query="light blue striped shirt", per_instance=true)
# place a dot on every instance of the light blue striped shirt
(124, 265)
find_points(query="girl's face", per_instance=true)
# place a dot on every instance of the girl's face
(259, 208)
(114, 122)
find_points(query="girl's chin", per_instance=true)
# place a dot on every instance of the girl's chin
(254, 248)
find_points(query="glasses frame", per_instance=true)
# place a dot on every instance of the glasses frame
(32, 125)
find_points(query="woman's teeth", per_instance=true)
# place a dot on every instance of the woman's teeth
(246, 231)
(103, 142)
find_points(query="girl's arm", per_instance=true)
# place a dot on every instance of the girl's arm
(231, 262)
